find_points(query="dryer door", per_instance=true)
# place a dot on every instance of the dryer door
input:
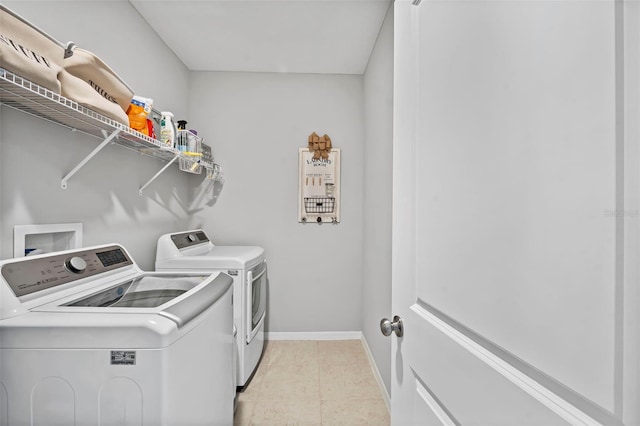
(256, 299)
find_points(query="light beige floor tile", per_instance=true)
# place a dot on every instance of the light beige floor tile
(341, 352)
(312, 383)
(244, 411)
(290, 382)
(354, 412)
(304, 412)
(267, 350)
(348, 381)
(298, 352)
(252, 389)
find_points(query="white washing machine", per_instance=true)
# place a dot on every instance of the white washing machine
(88, 338)
(194, 251)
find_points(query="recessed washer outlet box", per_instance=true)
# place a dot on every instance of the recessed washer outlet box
(36, 239)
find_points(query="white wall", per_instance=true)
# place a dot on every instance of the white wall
(255, 123)
(377, 163)
(103, 195)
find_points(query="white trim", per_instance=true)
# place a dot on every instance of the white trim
(314, 335)
(434, 406)
(376, 374)
(549, 399)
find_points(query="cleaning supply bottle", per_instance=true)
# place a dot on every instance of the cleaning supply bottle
(167, 129)
(182, 139)
(138, 111)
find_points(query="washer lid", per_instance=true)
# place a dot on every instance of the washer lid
(61, 325)
(144, 291)
(218, 257)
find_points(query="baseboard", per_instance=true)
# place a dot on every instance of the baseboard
(314, 335)
(376, 374)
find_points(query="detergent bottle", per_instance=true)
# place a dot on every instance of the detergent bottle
(138, 111)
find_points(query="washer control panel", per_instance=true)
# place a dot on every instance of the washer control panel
(28, 276)
(188, 239)
(75, 264)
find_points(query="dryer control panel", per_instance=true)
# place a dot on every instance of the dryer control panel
(188, 239)
(30, 275)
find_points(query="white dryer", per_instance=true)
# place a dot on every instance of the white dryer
(192, 251)
(88, 338)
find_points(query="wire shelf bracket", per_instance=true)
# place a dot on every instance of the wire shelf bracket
(86, 159)
(166, 166)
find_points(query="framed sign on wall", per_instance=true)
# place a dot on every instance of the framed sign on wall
(319, 181)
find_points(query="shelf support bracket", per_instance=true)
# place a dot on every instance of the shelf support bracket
(92, 154)
(158, 174)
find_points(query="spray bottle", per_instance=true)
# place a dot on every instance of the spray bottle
(167, 129)
(182, 135)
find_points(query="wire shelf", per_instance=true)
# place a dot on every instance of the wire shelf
(30, 98)
(35, 100)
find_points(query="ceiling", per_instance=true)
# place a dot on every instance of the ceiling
(293, 36)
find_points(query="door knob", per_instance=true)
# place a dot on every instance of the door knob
(387, 327)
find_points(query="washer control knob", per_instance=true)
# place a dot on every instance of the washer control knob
(192, 237)
(75, 264)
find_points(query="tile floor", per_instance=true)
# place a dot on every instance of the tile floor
(324, 382)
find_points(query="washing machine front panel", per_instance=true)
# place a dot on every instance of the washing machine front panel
(96, 344)
(188, 381)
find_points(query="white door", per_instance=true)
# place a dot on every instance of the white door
(516, 213)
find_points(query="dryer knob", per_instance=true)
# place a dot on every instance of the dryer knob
(75, 264)
(192, 237)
